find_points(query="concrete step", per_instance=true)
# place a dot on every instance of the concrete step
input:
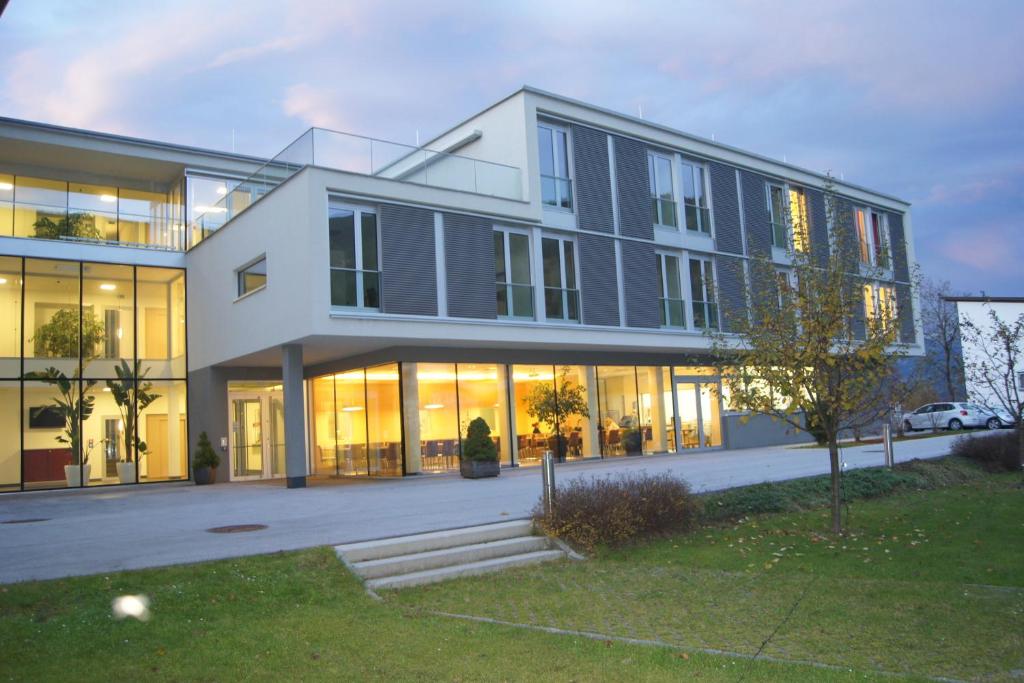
(470, 569)
(435, 540)
(446, 557)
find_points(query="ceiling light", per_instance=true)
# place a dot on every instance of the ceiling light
(433, 406)
(108, 198)
(209, 209)
(352, 409)
(108, 287)
(222, 190)
(3, 281)
(6, 186)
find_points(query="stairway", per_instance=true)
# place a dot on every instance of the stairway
(440, 555)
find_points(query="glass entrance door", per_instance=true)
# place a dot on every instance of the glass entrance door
(698, 417)
(257, 435)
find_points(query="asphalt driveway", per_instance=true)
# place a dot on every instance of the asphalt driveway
(89, 532)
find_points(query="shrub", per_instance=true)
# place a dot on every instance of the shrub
(478, 445)
(995, 452)
(609, 511)
(205, 455)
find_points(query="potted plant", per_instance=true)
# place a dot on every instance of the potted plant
(554, 404)
(68, 225)
(75, 408)
(479, 454)
(132, 397)
(205, 461)
(59, 337)
(632, 442)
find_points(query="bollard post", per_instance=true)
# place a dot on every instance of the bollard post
(887, 445)
(548, 481)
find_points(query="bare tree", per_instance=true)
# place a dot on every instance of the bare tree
(994, 361)
(942, 336)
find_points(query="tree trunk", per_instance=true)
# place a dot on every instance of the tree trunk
(833, 459)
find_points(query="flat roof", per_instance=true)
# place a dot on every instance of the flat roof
(987, 299)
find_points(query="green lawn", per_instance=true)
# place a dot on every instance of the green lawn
(945, 600)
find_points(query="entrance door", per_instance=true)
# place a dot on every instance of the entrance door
(257, 435)
(698, 418)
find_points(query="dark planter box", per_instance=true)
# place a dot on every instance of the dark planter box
(204, 475)
(478, 469)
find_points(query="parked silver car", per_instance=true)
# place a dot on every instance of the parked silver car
(952, 416)
(998, 417)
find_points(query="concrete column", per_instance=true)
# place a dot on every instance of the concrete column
(505, 426)
(411, 417)
(294, 415)
(591, 443)
(505, 371)
(174, 463)
(656, 384)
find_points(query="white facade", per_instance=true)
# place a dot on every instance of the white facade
(978, 312)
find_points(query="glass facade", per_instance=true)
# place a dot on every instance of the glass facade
(92, 374)
(56, 209)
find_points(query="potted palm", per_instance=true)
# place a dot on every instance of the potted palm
(205, 461)
(132, 393)
(74, 408)
(479, 454)
(555, 404)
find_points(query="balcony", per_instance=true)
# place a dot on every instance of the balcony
(366, 156)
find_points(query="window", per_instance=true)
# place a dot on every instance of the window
(777, 212)
(872, 237)
(672, 304)
(555, 184)
(514, 285)
(252, 277)
(561, 297)
(798, 212)
(663, 199)
(355, 268)
(784, 286)
(880, 305)
(702, 288)
(695, 203)
(1020, 381)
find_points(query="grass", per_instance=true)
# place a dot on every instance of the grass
(911, 436)
(926, 583)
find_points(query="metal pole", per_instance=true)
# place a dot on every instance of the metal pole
(548, 481)
(887, 444)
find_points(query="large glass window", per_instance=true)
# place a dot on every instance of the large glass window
(653, 384)
(10, 317)
(880, 305)
(514, 284)
(872, 237)
(439, 417)
(6, 204)
(384, 420)
(619, 427)
(483, 393)
(778, 213)
(695, 201)
(350, 422)
(41, 209)
(92, 211)
(702, 288)
(161, 322)
(355, 268)
(108, 314)
(561, 297)
(10, 444)
(163, 432)
(556, 186)
(535, 419)
(672, 303)
(663, 200)
(325, 434)
(801, 226)
(53, 326)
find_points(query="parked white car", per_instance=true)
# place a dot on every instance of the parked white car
(1004, 418)
(952, 416)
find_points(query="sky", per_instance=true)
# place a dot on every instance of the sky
(923, 100)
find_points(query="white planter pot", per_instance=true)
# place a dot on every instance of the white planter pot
(126, 472)
(74, 475)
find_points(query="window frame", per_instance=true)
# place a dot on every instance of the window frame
(357, 227)
(774, 221)
(657, 206)
(664, 299)
(698, 169)
(878, 251)
(710, 303)
(566, 292)
(506, 232)
(880, 304)
(556, 130)
(240, 273)
(789, 224)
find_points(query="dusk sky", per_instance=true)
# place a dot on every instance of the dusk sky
(922, 100)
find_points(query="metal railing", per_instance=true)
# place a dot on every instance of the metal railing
(364, 156)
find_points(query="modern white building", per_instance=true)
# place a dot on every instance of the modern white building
(978, 310)
(347, 307)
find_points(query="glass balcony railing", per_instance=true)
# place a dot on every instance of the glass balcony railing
(365, 156)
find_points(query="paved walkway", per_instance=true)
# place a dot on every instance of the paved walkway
(91, 532)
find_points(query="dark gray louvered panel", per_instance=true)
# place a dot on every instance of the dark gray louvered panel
(599, 288)
(731, 291)
(593, 179)
(725, 197)
(756, 219)
(819, 225)
(905, 313)
(846, 233)
(858, 316)
(898, 237)
(640, 284)
(469, 266)
(633, 188)
(409, 276)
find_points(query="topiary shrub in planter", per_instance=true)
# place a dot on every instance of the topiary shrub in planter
(632, 442)
(479, 454)
(205, 461)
